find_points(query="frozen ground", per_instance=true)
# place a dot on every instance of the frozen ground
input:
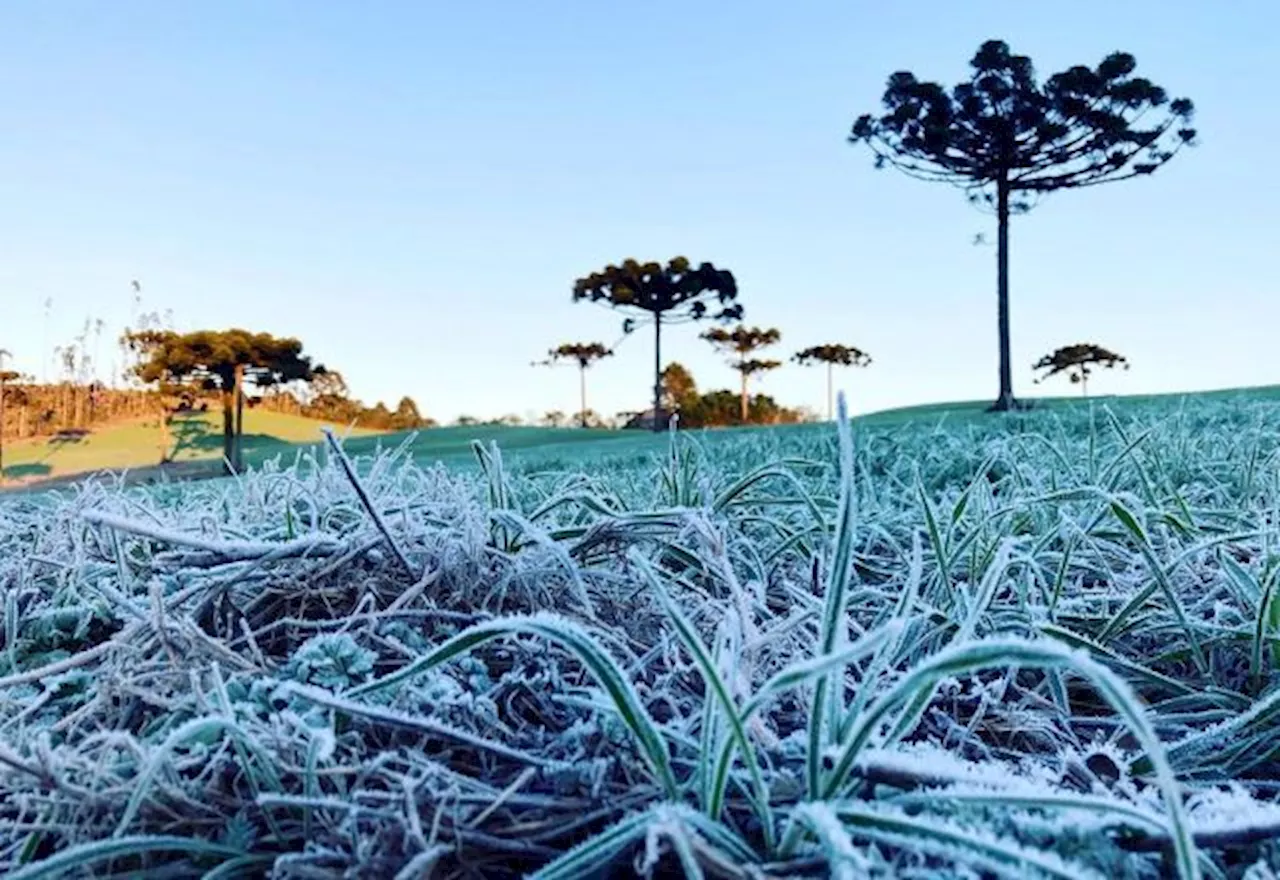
(1033, 645)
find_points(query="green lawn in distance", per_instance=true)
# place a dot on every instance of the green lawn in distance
(271, 435)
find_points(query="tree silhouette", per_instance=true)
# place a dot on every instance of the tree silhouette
(585, 354)
(742, 341)
(222, 360)
(832, 355)
(1075, 360)
(1007, 140)
(672, 294)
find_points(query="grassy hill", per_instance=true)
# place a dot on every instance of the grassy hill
(197, 439)
(136, 444)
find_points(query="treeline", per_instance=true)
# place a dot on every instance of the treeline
(32, 410)
(326, 398)
(721, 407)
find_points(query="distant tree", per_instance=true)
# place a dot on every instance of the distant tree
(553, 419)
(465, 421)
(406, 417)
(223, 361)
(678, 386)
(329, 383)
(1008, 140)
(592, 419)
(832, 354)
(740, 342)
(326, 396)
(584, 354)
(675, 293)
(1075, 361)
(377, 417)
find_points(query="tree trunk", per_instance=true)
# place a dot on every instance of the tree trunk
(1006, 399)
(162, 424)
(831, 412)
(239, 457)
(745, 410)
(657, 371)
(1, 424)
(582, 393)
(229, 428)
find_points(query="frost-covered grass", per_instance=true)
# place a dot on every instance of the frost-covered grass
(1043, 644)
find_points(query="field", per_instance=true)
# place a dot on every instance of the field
(922, 644)
(136, 444)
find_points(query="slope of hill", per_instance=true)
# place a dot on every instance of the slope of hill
(193, 439)
(197, 440)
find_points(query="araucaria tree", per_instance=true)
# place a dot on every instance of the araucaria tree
(832, 355)
(739, 343)
(1075, 360)
(1007, 140)
(586, 354)
(672, 294)
(223, 360)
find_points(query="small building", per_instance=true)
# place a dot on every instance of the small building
(646, 420)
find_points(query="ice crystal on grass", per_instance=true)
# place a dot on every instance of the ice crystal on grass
(249, 673)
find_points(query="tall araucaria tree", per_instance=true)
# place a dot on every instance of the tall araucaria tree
(1007, 140)
(832, 355)
(673, 294)
(1075, 360)
(223, 360)
(740, 342)
(585, 354)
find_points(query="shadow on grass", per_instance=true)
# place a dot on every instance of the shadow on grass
(40, 467)
(26, 470)
(193, 434)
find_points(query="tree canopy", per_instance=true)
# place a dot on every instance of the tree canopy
(1007, 139)
(585, 353)
(676, 291)
(218, 357)
(1080, 128)
(833, 354)
(1075, 361)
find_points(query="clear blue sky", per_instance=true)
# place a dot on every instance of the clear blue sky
(412, 188)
